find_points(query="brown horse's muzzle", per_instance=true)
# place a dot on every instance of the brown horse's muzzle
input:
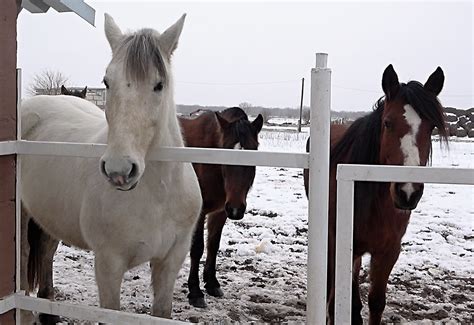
(406, 195)
(235, 213)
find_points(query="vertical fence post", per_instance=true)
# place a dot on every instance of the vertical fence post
(318, 191)
(8, 10)
(344, 234)
(18, 192)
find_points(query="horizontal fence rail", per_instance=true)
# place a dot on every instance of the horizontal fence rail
(197, 155)
(88, 313)
(371, 173)
(8, 148)
(346, 177)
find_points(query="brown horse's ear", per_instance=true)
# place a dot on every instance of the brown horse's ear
(222, 121)
(84, 92)
(64, 90)
(390, 83)
(258, 123)
(435, 82)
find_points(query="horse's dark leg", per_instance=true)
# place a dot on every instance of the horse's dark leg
(38, 250)
(26, 316)
(356, 302)
(215, 223)
(195, 295)
(380, 268)
(46, 289)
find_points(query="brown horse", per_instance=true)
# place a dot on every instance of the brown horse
(397, 132)
(77, 93)
(224, 188)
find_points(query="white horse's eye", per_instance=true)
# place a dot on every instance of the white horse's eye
(158, 87)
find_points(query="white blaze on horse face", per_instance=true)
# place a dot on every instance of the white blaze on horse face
(408, 144)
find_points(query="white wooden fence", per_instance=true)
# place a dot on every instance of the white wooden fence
(317, 162)
(346, 176)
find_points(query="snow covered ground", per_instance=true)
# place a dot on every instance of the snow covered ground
(262, 261)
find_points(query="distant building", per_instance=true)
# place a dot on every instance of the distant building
(94, 95)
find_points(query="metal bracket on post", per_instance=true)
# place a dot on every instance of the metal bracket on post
(318, 191)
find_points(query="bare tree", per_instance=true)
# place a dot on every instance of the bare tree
(246, 107)
(266, 114)
(48, 82)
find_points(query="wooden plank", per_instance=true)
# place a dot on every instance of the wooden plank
(8, 14)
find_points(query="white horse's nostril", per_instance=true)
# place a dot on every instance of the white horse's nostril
(120, 170)
(133, 171)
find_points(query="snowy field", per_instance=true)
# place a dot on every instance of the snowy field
(262, 261)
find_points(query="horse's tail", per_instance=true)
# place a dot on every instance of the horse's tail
(35, 236)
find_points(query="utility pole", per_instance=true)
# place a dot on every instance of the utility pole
(301, 105)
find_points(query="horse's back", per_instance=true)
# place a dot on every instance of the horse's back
(61, 118)
(47, 178)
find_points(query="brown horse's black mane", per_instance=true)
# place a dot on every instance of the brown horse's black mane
(361, 142)
(234, 113)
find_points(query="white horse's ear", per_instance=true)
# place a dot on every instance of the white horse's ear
(112, 31)
(169, 39)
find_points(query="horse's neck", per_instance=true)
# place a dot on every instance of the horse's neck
(168, 133)
(201, 132)
(374, 206)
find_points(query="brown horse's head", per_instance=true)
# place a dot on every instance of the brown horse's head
(77, 93)
(410, 113)
(240, 134)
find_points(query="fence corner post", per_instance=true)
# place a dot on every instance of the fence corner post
(318, 191)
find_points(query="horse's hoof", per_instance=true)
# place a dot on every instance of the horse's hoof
(198, 302)
(47, 319)
(215, 292)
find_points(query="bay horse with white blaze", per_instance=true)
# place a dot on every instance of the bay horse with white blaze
(127, 210)
(397, 132)
(224, 188)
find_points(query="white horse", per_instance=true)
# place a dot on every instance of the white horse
(143, 210)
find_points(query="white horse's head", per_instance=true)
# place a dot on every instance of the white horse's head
(139, 95)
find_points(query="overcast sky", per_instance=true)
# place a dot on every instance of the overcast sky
(257, 52)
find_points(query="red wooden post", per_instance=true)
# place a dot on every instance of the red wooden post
(8, 15)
